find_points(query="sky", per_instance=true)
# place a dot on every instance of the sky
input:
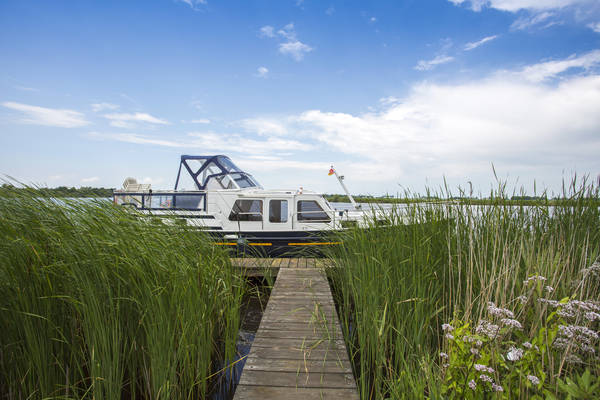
(398, 95)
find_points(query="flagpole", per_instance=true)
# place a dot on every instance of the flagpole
(341, 180)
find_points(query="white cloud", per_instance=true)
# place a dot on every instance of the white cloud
(264, 126)
(125, 120)
(26, 88)
(426, 65)
(551, 69)
(200, 121)
(458, 130)
(90, 179)
(529, 21)
(267, 31)
(289, 44)
(330, 10)
(210, 141)
(239, 143)
(262, 72)
(47, 116)
(540, 14)
(194, 4)
(474, 45)
(594, 26)
(136, 139)
(295, 49)
(516, 5)
(516, 120)
(372, 19)
(97, 107)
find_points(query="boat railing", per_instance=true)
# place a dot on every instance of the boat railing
(162, 200)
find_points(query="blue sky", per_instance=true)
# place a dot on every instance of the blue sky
(396, 94)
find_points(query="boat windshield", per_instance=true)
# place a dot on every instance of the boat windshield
(212, 173)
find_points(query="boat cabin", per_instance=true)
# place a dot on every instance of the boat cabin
(211, 192)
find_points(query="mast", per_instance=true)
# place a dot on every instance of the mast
(340, 178)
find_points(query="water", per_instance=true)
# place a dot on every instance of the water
(251, 314)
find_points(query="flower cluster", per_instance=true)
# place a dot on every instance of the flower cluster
(488, 357)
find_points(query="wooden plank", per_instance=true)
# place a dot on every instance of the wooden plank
(262, 364)
(298, 379)
(298, 351)
(246, 392)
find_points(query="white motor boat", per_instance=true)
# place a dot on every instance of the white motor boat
(213, 194)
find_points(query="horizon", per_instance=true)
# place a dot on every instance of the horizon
(397, 95)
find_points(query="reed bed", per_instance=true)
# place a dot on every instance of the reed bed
(96, 302)
(441, 262)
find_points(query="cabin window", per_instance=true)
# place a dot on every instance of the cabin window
(246, 210)
(311, 211)
(278, 211)
(158, 201)
(189, 201)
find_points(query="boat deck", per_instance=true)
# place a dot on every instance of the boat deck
(298, 351)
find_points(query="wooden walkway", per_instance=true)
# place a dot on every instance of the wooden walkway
(264, 266)
(298, 351)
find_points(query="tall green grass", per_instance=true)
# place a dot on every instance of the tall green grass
(96, 302)
(396, 285)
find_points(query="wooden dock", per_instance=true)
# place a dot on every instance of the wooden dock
(298, 351)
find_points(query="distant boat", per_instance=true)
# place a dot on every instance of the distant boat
(213, 194)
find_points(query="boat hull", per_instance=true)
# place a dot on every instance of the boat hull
(277, 244)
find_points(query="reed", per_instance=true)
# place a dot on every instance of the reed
(396, 285)
(96, 302)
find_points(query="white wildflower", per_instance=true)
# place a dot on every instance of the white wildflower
(480, 367)
(527, 345)
(486, 378)
(533, 379)
(579, 332)
(563, 344)
(443, 356)
(497, 388)
(447, 328)
(474, 351)
(449, 336)
(513, 323)
(573, 359)
(522, 299)
(591, 316)
(534, 278)
(445, 365)
(549, 289)
(514, 354)
(488, 329)
(551, 303)
(472, 384)
(499, 312)
(592, 269)
(586, 348)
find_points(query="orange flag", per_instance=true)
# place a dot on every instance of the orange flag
(331, 171)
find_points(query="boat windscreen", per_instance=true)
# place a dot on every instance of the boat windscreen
(213, 172)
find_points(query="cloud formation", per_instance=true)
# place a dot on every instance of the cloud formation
(36, 115)
(97, 107)
(426, 65)
(211, 141)
(289, 44)
(551, 69)
(474, 45)
(262, 72)
(125, 120)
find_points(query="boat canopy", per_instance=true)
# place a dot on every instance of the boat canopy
(212, 173)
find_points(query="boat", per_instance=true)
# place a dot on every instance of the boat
(212, 194)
